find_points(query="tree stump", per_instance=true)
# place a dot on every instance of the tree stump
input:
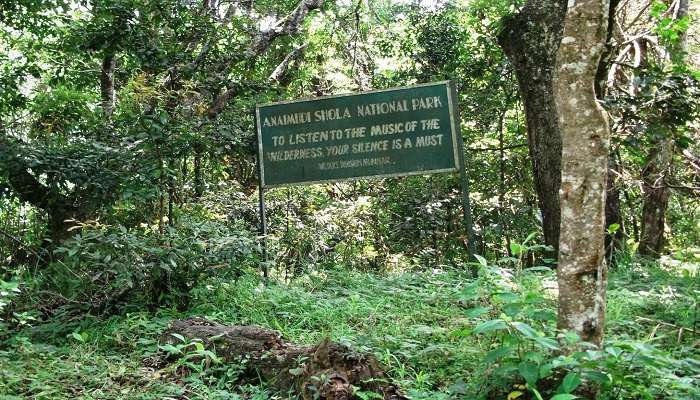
(327, 371)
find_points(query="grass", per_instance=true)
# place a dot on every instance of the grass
(420, 325)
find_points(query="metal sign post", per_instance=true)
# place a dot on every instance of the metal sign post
(263, 230)
(263, 217)
(464, 182)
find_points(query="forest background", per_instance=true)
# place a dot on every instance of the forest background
(128, 199)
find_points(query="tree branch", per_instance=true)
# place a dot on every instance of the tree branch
(262, 41)
(221, 101)
(281, 70)
(286, 26)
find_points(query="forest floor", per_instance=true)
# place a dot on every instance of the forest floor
(429, 329)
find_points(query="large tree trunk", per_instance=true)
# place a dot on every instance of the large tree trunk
(582, 274)
(327, 371)
(530, 39)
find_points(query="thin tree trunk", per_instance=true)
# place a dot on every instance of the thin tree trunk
(679, 51)
(655, 195)
(612, 199)
(161, 191)
(198, 173)
(582, 273)
(655, 191)
(530, 40)
(633, 215)
(171, 209)
(502, 185)
(613, 215)
(601, 76)
(109, 63)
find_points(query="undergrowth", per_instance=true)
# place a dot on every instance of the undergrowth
(440, 334)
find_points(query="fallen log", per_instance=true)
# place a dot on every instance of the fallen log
(327, 371)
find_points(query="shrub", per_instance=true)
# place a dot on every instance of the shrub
(103, 265)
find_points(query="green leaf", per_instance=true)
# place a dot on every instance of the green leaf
(548, 343)
(470, 292)
(464, 332)
(543, 315)
(210, 355)
(508, 297)
(537, 394)
(77, 336)
(596, 376)
(529, 371)
(564, 396)
(178, 337)
(570, 382)
(482, 260)
(12, 286)
(495, 354)
(572, 337)
(525, 329)
(613, 228)
(475, 312)
(529, 237)
(169, 348)
(513, 309)
(614, 351)
(516, 248)
(367, 395)
(515, 394)
(459, 387)
(492, 325)
(546, 370)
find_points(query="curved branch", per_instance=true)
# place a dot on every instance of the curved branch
(286, 26)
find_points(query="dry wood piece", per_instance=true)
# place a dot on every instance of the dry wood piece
(327, 371)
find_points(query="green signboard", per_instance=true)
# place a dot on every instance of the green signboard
(382, 133)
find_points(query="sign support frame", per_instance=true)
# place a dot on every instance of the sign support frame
(462, 159)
